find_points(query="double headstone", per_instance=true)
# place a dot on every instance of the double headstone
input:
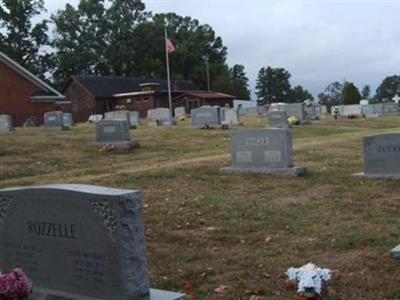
(54, 120)
(264, 151)
(206, 116)
(115, 133)
(296, 110)
(123, 115)
(77, 242)
(381, 156)
(159, 117)
(6, 123)
(277, 119)
(68, 120)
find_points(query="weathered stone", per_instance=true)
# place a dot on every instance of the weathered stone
(160, 116)
(54, 120)
(95, 118)
(278, 119)
(267, 151)
(230, 116)
(114, 133)
(292, 110)
(68, 120)
(205, 116)
(381, 156)
(77, 242)
(180, 112)
(6, 123)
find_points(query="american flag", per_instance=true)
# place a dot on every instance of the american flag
(170, 47)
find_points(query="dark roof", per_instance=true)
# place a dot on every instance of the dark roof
(209, 95)
(107, 86)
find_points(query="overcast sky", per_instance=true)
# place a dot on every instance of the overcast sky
(317, 41)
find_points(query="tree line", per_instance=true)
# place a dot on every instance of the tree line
(119, 37)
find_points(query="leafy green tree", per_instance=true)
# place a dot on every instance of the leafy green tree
(366, 92)
(389, 87)
(240, 83)
(80, 40)
(272, 85)
(350, 94)
(123, 40)
(20, 39)
(299, 94)
(332, 94)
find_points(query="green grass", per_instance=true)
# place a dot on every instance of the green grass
(205, 228)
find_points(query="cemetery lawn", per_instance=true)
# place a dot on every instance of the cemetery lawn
(218, 236)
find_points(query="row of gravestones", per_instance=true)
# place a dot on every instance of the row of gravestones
(52, 120)
(369, 110)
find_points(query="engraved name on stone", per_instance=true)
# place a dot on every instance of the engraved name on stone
(109, 129)
(256, 141)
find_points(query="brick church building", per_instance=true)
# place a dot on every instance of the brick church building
(23, 95)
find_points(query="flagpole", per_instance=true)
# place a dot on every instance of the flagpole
(168, 77)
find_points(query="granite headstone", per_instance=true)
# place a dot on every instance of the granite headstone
(265, 151)
(381, 156)
(77, 242)
(205, 117)
(277, 119)
(54, 120)
(159, 116)
(68, 120)
(6, 123)
(114, 133)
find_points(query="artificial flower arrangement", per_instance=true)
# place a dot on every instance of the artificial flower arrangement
(310, 280)
(15, 285)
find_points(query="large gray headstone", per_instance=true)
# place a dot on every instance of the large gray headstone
(266, 151)
(382, 156)
(390, 109)
(114, 133)
(277, 119)
(76, 241)
(54, 120)
(205, 116)
(159, 117)
(68, 120)
(5, 123)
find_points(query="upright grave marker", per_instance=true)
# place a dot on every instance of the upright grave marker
(230, 116)
(68, 120)
(265, 151)
(180, 112)
(277, 119)
(114, 133)
(381, 156)
(159, 116)
(6, 123)
(77, 242)
(205, 116)
(134, 119)
(54, 120)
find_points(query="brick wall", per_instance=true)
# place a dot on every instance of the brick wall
(15, 91)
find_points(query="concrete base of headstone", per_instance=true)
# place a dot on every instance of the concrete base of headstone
(395, 252)
(118, 145)
(363, 175)
(293, 171)
(44, 294)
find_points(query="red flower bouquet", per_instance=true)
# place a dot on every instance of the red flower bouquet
(15, 286)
